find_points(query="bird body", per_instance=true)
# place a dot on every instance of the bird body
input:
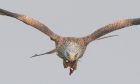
(71, 49)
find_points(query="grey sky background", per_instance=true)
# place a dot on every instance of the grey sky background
(110, 61)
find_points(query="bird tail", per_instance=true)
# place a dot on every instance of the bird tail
(7, 13)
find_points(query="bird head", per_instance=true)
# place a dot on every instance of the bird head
(71, 56)
(72, 52)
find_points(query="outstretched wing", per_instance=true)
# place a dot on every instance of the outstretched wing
(32, 22)
(111, 27)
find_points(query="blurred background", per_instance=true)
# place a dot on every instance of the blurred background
(109, 61)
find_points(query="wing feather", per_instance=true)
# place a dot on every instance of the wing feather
(111, 27)
(32, 22)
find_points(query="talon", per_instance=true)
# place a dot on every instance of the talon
(71, 71)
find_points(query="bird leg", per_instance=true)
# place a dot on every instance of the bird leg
(106, 37)
(65, 63)
(50, 52)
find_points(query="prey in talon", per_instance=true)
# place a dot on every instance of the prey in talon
(71, 65)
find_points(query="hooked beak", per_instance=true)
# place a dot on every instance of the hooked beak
(72, 57)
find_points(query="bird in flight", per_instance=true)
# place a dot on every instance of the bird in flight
(71, 49)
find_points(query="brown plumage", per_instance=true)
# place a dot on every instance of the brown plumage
(71, 49)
